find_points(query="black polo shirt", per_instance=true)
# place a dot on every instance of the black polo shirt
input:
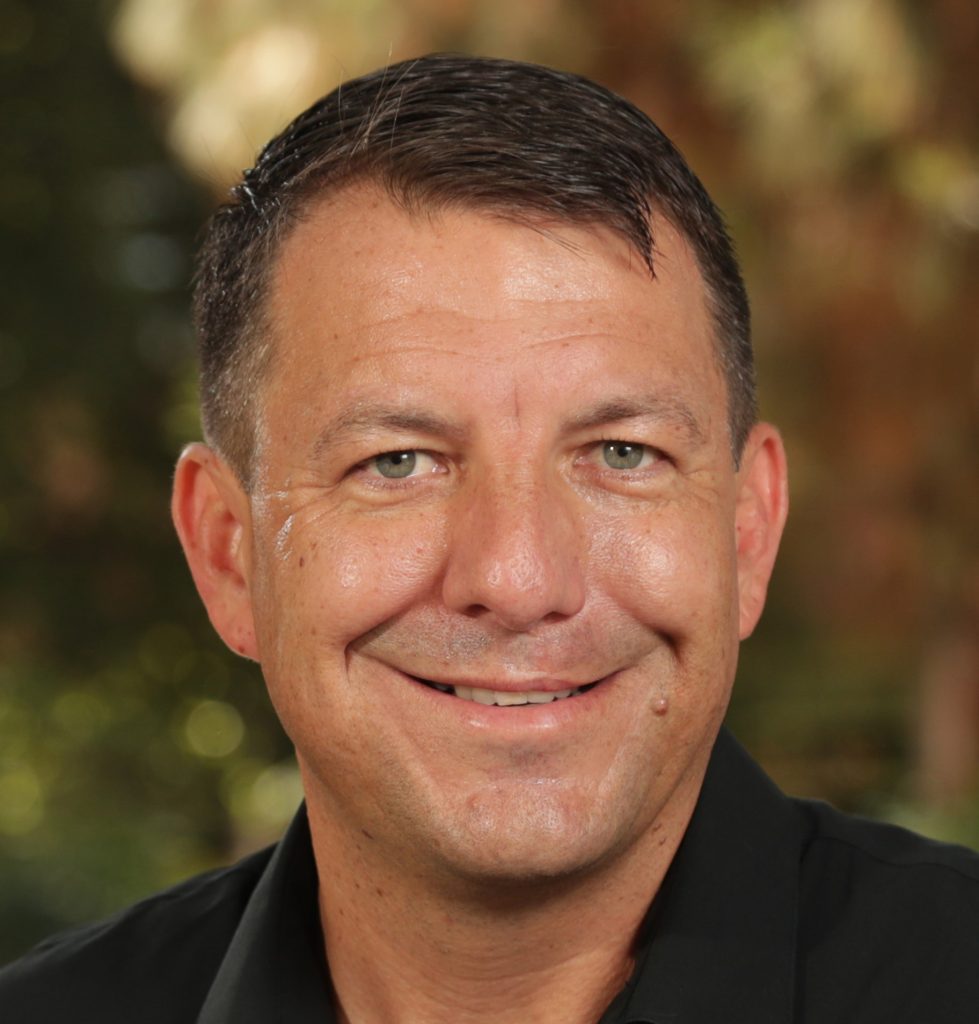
(774, 910)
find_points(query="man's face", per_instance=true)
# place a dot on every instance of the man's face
(493, 469)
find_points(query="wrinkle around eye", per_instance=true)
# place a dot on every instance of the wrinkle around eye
(654, 473)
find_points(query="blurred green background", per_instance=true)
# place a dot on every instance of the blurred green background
(841, 138)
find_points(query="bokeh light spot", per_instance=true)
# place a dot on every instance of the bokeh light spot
(213, 729)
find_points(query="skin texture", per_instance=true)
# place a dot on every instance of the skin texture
(513, 557)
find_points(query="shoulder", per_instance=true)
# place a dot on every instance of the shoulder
(885, 844)
(151, 962)
(872, 856)
(889, 920)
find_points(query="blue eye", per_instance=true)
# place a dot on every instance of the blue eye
(395, 465)
(623, 454)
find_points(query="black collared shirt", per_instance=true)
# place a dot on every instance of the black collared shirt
(774, 911)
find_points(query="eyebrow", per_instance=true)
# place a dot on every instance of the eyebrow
(664, 407)
(366, 417)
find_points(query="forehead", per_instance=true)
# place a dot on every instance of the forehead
(365, 294)
(366, 233)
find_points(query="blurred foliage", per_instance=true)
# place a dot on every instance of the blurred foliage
(123, 735)
(841, 138)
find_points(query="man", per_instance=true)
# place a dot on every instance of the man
(485, 495)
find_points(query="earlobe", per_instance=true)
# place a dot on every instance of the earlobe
(211, 513)
(762, 507)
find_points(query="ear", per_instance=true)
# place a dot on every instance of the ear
(762, 505)
(212, 515)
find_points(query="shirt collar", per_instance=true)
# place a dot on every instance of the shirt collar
(718, 942)
(274, 969)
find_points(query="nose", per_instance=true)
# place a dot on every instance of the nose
(515, 553)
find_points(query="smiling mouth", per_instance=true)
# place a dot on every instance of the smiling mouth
(505, 698)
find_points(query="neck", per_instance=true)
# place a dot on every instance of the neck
(403, 947)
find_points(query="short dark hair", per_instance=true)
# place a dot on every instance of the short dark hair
(516, 139)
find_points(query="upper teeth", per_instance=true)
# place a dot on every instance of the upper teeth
(505, 698)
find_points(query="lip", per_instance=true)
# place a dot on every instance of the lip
(515, 721)
(537, 684)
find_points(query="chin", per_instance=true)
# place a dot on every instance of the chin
(530, 837)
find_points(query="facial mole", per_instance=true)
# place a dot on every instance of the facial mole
(302, 561)
(661, 707)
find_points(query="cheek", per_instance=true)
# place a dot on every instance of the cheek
(671, 568)
(343, 576)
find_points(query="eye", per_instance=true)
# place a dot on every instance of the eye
(398, 465)
(624, 454)
(395, 465)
